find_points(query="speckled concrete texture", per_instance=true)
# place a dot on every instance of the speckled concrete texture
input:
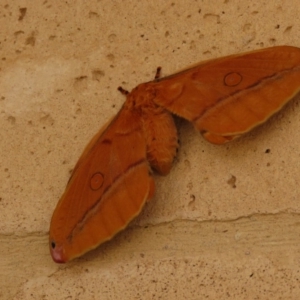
(223, 225)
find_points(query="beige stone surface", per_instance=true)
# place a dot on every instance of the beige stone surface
(223, 225)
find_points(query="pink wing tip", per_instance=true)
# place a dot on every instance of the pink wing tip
(57, 253)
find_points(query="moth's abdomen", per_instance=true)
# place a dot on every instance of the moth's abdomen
(161, 139)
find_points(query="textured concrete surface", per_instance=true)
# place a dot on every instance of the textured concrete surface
(223, 225)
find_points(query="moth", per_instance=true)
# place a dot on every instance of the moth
(112, 179)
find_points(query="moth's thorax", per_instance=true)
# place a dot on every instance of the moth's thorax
(141, 97)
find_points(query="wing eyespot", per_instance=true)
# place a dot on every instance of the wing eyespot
(96, 181)
(233, 79)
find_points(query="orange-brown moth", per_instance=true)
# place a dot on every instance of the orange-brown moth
(112, 180)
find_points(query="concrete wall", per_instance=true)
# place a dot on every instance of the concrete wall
(223, 225)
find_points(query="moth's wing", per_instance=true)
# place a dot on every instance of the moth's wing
(227, 97)
(107, 189)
